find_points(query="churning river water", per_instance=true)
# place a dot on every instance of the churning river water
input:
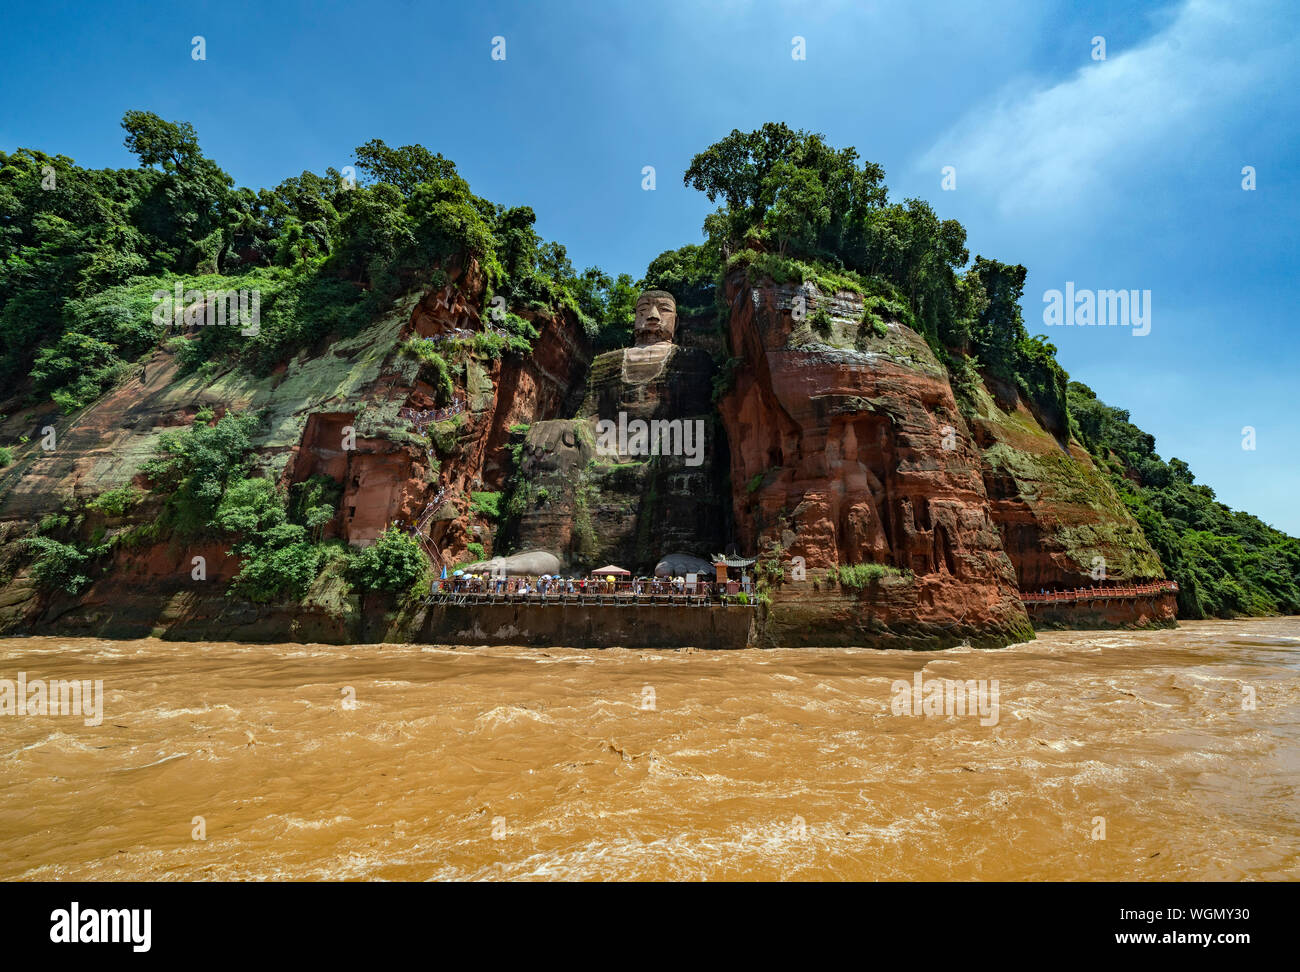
(1159, 755)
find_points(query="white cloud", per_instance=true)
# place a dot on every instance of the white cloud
(1042, 149)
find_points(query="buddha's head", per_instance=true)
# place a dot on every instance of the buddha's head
(656, 318)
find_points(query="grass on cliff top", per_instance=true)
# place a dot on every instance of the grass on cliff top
(868, 330)
(783, 270)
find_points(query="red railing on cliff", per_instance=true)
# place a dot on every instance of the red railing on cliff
(1097, 593)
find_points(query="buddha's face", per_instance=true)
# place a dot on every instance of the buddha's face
(656, 318)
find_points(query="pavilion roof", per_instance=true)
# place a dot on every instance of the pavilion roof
(734, 561)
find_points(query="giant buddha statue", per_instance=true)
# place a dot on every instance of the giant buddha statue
(638, 506)
(653, 331)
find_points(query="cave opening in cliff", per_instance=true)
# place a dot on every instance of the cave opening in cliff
(943, 555)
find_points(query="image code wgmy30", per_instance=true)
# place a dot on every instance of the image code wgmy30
(751, 443)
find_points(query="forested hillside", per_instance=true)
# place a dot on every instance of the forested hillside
(83, 251)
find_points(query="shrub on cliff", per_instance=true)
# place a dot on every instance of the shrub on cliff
(392, 564)
(486, 505)
(433, 367)
(314, 502)
(858, 577)
(271, 572)
(61, 566)
(277, 542)
(93, 354)
(115, 502)
(195, 464)
(276, 557)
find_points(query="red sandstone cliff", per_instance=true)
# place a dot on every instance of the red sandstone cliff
(847, 448)
(845, 444)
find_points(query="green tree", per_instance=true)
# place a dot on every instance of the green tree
(776, 167)
(195, 464)
(998, 328)
(191, 200)
(393, 563)
(403, 168)
(689, 273)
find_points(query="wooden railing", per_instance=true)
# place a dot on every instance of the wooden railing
(1095, 593)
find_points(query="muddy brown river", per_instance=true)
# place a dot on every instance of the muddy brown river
(1163, 755)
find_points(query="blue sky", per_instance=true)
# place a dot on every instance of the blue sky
(1122, 173)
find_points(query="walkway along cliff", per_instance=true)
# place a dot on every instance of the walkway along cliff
(881, 507)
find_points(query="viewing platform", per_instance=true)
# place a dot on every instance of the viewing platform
(621, 600)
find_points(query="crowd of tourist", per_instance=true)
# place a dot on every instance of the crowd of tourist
(424, 417)
(455, 334)
(554, 586)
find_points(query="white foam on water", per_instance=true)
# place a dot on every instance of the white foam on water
(56, 739)
(297, 823)
(505, 715)
(204, 710)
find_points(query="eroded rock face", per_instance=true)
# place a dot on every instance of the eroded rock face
(1062, 523)
(847, 448)
(392, 473)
